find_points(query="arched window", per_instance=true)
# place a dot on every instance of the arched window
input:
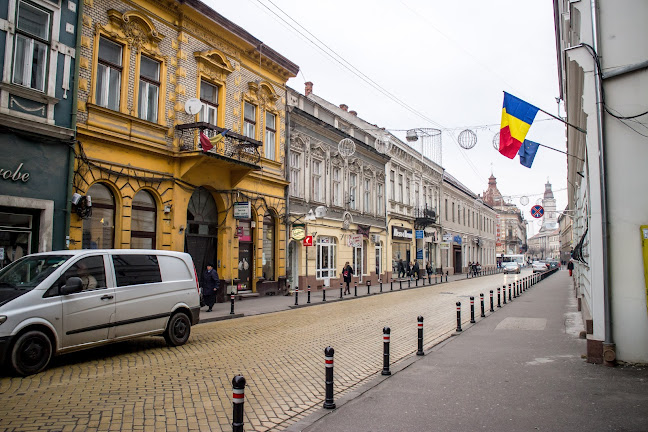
(268, 258)
(99, 229)
(143, 221)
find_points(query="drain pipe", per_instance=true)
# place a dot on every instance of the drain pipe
(609, 347)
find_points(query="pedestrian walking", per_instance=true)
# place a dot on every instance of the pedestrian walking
(408, 268)
(211, 282)
(347, 273)
(428, 269)
(401, 269)
(415, 270)
(570, 267)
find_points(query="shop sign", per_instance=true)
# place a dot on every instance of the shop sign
(447, 237)
(444, 245)
(14, 175)
(364, 230)
(298, 232)
(420, 234)
(419, 254)
(308, 241)
(400, 233)
(242, 210)
(457, 239)
(355, 240)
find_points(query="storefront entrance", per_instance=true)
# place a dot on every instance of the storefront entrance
(18, 232)
(457, 259)
(202, 230)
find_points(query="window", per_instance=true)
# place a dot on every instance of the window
(209, 97)
(317, 180)
(367, 196)
(109, 69)
(32, 45)
(378, 259)
(464, 216)
(270, 134)
(392, 186)
(326, 257)
(417, 200)
(143, 221)
(136, 269)
(353, 190)
(90, 270)
(446, 209)
(268, 257)
(407, 191)
(453, 213)
(295, 171)
(99, 230)
(400, 187)
(249, 120)
(336, 190)
(380, 199)
(149, 89)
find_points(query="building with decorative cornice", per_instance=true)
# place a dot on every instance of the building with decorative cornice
(511, 232)
(154, 75)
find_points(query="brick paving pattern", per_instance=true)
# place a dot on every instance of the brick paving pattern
(144, 386)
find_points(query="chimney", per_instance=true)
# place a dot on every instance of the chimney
(344, 107)
(355, 113)
(309, 88)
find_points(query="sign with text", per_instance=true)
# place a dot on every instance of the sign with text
(298, 232)
(242, 210)
(400, 233)
(420, 234)
(355, 240)
(308, 241)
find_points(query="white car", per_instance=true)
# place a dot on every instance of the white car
(511, 267)
(538, 267)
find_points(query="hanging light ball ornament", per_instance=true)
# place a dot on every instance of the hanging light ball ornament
(467, 139)
(496, 141)
(524, 200)
(383, 143)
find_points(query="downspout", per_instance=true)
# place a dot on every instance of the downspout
(287, 174)
(73, 126)
(609, 347)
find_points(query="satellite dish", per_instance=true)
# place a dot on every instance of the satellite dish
(524, 200)
(346, 147)
(193, 106)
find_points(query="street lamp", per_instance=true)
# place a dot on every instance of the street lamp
(430, 138)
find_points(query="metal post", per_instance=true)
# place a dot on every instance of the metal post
(472, 310)
(386, 335)
(308, 297)
(400, 284)
(296, 296)
(447, 275)
(391, 285)
(341, 295)
(380, 282)
(509, 289)
(491, 298)
(368, 287)
(328, 361)
(355, 289)
(232, 304)
(420, 336)
(481, 299)
(323, 293)
(498, 298)
(409, 282)
(238, 402)
(458, 316)
(504, 292)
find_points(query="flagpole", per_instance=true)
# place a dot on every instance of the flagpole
(560, 151)
(559, 119)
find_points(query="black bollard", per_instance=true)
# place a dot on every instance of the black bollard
(472, 310)
(368, 287)
(341, 294)
(296, 296)
(447, 275)
(409, 282)
(498, 298)
(514, 290)
(308, 296)
(400, 284)
(416, 281)
(491, 295)
(509, 288)
(238, 401)
(386, 333)
(355, 289)
(323, 293)
(232, 304)
(391, 285)
(458, 316)
(481, 299)
(504, 292)
(328, 361)
(380, 282)
(420, 336)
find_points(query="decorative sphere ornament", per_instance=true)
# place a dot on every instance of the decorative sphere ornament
(524, 200)
(383, 144)
(346, 147)
(496, 141)
(467, 139)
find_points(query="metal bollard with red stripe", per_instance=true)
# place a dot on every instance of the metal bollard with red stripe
(491, 298)
(380, 282)
(368, 287)
(472, 310)
(341, 294)
(499, 305)
(308, 298)
(458, 316)
(355, 289)
(296, 295)
(232, 304)
(386, 336)
(509, 288)
(329, 403)
(504, 292)
(481, 300)
(238, 401)
(419, 320)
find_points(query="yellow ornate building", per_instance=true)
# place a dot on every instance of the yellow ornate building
(153, 77)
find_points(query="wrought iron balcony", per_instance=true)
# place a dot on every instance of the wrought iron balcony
(232, 146)
(424, 216)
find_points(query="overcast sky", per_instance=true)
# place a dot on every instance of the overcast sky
(449, 61)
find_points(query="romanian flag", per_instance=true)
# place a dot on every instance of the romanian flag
(517, 117)
(209, 143)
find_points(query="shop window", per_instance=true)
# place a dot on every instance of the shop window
(270, 135)
(268, 257)
(109, 71)
(209, 98)
(99, 229)
(326, 260)
(143, 224)
(378, 259)
(149, 89)
(31, 46)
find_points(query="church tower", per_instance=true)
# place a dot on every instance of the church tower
(550, 218)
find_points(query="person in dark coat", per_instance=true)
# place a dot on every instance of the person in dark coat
(570, 267)
(211, 282)
(415, 270)
(401, 268)
(347, 274)
(428, 269)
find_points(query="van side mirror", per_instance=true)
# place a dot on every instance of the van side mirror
(72, 285)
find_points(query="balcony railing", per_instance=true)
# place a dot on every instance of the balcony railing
(425, 216)
(232, 146)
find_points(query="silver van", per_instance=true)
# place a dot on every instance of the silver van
(57, 302)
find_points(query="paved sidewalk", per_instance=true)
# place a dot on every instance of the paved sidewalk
(520, 369)
(267, 304)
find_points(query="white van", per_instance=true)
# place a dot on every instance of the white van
(57, 302)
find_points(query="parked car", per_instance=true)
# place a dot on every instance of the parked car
(511, 267)
(553, 264)
(538, 266)
(57, 302)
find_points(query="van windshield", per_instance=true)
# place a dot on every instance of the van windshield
(28, 272)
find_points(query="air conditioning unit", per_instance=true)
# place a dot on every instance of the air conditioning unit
(375, 238)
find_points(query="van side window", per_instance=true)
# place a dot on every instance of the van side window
(91, 271)
(136, 269)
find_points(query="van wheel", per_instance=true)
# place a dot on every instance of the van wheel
(178, 329)
(31, 352)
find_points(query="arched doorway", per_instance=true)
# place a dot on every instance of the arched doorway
(201, 234)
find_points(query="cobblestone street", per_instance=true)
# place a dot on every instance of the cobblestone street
(143, 385)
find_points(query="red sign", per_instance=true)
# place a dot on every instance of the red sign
(537, 211)
(308, 241)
